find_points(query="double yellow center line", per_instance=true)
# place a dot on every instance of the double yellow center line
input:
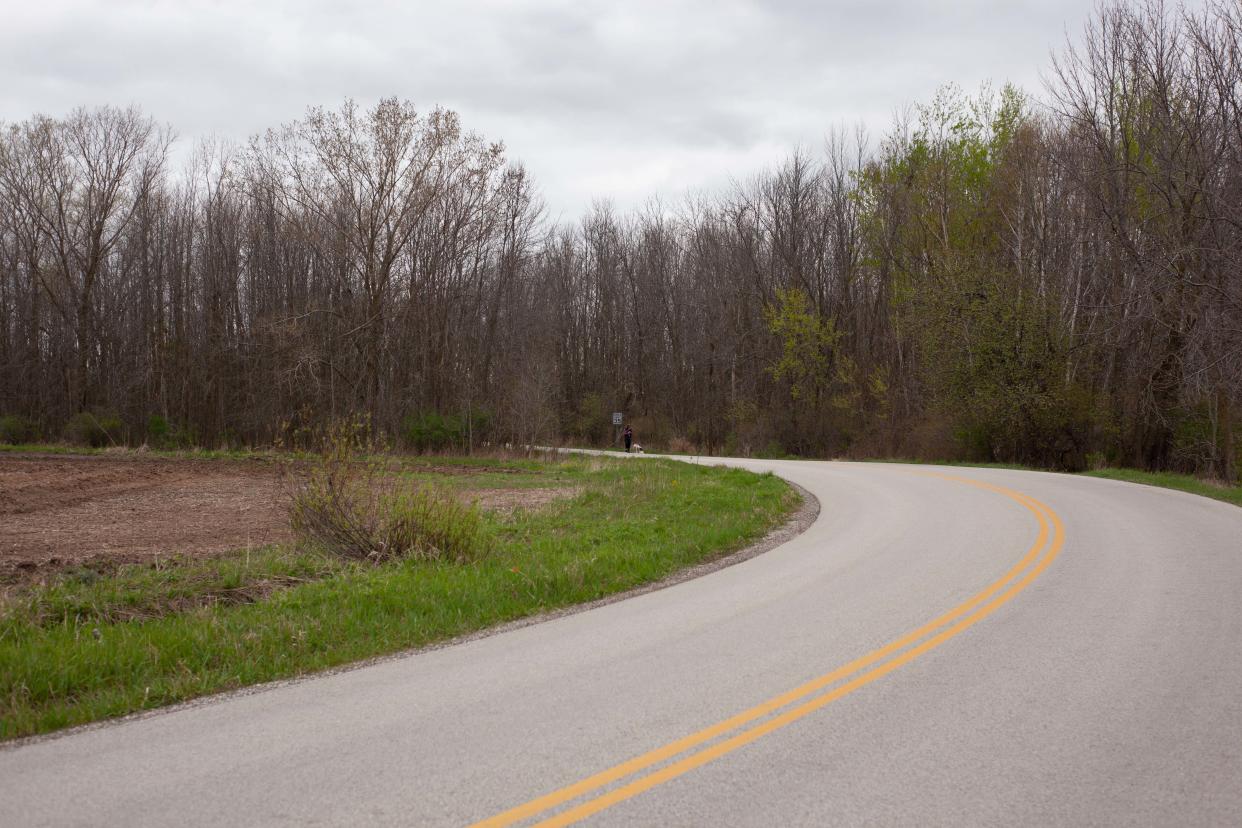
(859, 673)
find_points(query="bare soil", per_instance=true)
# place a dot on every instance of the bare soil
(63, 511)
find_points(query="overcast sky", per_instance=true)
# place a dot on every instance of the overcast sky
(622, 99)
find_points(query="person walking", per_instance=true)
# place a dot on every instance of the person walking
(629, 438)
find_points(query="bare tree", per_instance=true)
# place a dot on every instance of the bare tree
(76, 185)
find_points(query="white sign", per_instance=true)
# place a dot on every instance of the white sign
(616, 418)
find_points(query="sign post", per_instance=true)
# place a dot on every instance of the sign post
(616, 424)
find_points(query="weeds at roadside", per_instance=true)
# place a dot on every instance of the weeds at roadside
(142, 592)
(352, 502)
(1213, 489)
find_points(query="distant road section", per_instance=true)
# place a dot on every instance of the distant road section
(943, 646)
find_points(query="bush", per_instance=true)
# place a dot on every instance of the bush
(86, 429)
(431, 431)
(157, 428)
(774, 450)
(15, 430)
(358, 508)
(418, 523)
(165, 435)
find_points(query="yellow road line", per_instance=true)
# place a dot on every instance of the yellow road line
(1048, 520)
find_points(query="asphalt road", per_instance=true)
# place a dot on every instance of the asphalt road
(1039, 649)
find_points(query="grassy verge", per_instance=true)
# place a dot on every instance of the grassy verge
(94, 646)
(1164, 480)
(1181, 482)
(966, 464)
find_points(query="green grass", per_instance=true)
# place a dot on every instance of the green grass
(1165, 480)
(961, 463)
(86, 597)
(96, 646)
(1181, 482)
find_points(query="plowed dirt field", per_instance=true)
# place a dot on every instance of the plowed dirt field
(62, 511)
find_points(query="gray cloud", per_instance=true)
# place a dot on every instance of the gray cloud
(600, 99)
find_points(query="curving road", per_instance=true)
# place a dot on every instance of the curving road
(943, 646)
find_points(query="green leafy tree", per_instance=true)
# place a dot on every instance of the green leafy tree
(821, 378)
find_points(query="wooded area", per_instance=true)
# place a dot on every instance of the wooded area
(1055, 281)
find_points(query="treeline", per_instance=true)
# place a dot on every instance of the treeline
(1056, 281)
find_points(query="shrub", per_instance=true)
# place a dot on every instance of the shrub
(165, 435)
(87, 429)
(157, 428)
(14, 430)
(774, 450)
(418, 523)
(433, 431)
(357, 507)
